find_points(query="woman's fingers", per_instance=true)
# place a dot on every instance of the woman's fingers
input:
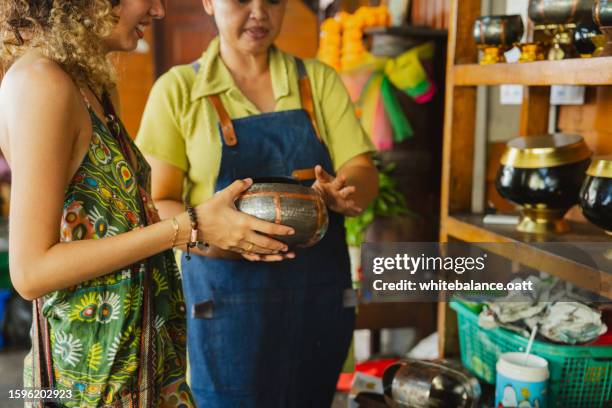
(347, 191)
(322, 175)
(269, 258)
(266, 244)
(268, 228)
(339, 182)
(233, 191)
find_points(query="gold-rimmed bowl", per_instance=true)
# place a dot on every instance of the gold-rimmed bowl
(596, 193)
(543, 176)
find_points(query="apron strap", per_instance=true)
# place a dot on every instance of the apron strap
(227, 127)
(306, 96)
(42, 367)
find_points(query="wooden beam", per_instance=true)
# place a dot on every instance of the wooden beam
(535, 111)
(458, 146)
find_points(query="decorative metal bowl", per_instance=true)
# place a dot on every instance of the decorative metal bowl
(498, 30)
(596, 193)
(547, 12)
(414, 383)
(602, 16)
(543, 175)
(285, 201)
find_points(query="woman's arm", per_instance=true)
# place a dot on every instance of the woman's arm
(44, 114)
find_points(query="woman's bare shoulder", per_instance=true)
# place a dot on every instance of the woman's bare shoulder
(37, 88)
(33, 75)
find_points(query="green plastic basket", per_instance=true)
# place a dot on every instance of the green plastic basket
(580, 376)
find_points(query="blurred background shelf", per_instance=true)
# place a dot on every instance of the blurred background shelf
(579, 71)
(583, 271)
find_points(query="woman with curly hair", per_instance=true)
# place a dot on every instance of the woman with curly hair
(86, 242)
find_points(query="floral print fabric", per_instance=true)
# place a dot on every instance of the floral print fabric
(96, 327)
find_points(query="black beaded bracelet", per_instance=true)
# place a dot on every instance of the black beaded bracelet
(193, 240)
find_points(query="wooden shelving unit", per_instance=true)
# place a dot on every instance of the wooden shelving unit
(589, 71)
(456, 222)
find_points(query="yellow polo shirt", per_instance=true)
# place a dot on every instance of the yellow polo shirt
(180, 126)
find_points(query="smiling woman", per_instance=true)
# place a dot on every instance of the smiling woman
(87, 244)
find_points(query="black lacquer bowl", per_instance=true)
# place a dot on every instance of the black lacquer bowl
(596, 193)
(543, 175)
(498, 30)
(583, 38)
(285, 201)
(545, 12)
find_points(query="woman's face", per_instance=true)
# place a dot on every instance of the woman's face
(248, 26)
(134, 17)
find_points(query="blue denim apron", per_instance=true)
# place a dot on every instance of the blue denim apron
(270, 334)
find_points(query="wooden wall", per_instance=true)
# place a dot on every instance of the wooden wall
(432, 13)
(592, 120)
(135, 79)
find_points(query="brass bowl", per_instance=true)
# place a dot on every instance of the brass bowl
(596, 193)
(543, 175)
(602, 16)
(285, 201)
(498, 30)
(560, 12)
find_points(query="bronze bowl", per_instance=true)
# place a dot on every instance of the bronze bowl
(548, 12)
(602, 16)
(283, 200)
(498, 30)
(543, 175)
(596, 193)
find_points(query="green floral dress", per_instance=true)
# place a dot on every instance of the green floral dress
(103, 331)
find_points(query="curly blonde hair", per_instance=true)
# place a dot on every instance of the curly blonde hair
(69, 32)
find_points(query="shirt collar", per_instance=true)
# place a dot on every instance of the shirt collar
(213, 77)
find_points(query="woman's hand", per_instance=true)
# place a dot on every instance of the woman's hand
(336, 194)
(223, 226)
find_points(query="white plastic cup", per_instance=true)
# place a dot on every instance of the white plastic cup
(521, 382)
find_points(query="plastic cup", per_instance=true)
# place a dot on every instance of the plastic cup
(521, 382)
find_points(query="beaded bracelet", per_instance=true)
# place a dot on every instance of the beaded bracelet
(193, 240)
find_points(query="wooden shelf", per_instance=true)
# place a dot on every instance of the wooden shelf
(578, 71)
(408, 31)
(525, 249)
